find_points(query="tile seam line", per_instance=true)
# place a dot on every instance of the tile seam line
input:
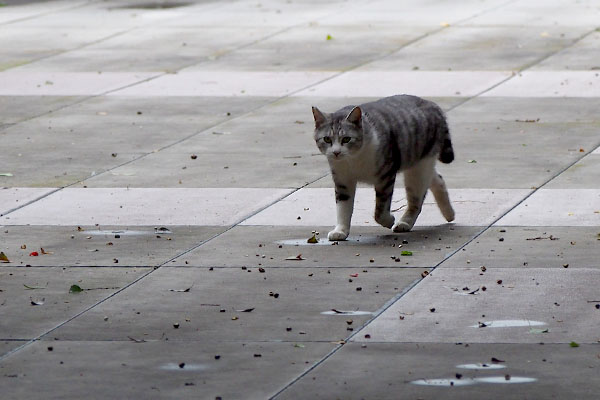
(43, 14)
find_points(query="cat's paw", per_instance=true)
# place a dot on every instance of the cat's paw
(402, 227)
(336, 235)
(386, 221)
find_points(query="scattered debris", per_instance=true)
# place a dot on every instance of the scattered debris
(472, 161)
(543, 238)
(75, 289)
(181, 290)
(33, 287)
(34, 254)
(496, 360)
(296, 258)
(527, 120)
(3, 258)
(246, 310)
(37, 302)
(406, 253)
(574, 344)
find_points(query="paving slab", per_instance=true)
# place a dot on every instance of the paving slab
(359, 83)
(116, 131)
(275, 300)
(557, 207)
(17, 109)
(29, 11)
(226, 83)
(585, 174)
(21, 319)
(534, 84)
(316, 207)
(317, 46)
(579, 56)
(145, 206)
(366, 248)
(11, 198)
(531, 247)
(529, 305)
(112, 246)
(449, 371)
(152, 49)
(42, 83)
(10, 345)
(460, 48)
(99, 370)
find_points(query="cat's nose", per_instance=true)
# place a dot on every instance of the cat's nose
(337, 153)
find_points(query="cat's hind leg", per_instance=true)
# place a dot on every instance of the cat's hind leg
(416, 181)
(383, 201)
(440, 192)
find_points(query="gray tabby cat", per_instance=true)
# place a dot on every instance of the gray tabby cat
(372, 142)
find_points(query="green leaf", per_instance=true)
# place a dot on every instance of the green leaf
(75, 289)
(301, 346)
(472, 161)
(3, 257)
(313, 239)
(5, 173)
(574, 344)
(329, 37)
(406, 253)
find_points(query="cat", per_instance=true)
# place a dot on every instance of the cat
(374, 141)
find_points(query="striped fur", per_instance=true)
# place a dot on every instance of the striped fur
(373, 142)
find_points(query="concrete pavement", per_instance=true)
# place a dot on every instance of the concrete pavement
(158, 156)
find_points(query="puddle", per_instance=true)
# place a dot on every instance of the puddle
(502, 379)
(445, 382)
(325, 242)
(481, 366)
(508, 323)
(186, 367)
(473, 381)
(158, 231)
(346, 313)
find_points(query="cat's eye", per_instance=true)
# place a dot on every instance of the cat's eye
(327, 139)
(346, 140)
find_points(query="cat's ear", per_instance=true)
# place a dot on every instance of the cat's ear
(355, 116)
(320, 118)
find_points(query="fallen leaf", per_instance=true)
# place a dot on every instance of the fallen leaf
(46, 252)
(297, 258)
(301, 346)
(472, 161)
(3, 257)
(313, 239)
(574, 344)
(495, 360)
(32, 287)
(246, 310)
(329, 37)
(538, 331)
(406, 253)
(75, 289)
(181, 290)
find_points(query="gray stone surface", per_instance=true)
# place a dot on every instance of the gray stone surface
(368, 247)
(150, 308)
(99, 246)
(559, 371)
(195, 116)
(530, 247)
(151, 369)
(49, 288)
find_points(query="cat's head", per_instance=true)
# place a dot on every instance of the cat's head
(338, 135)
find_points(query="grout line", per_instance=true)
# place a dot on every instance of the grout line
(43, 14)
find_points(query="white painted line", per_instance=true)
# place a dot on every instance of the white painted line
(420, 83)
(316, 207)
(34, 83)
(557, 207)
(550, 84)
(597, 151)
(523, 295)
(144, 206)
(11, 198)
(226, 83)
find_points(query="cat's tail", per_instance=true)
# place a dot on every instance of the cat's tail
(447, 153)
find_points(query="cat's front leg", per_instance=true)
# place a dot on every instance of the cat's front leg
(344, 199)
